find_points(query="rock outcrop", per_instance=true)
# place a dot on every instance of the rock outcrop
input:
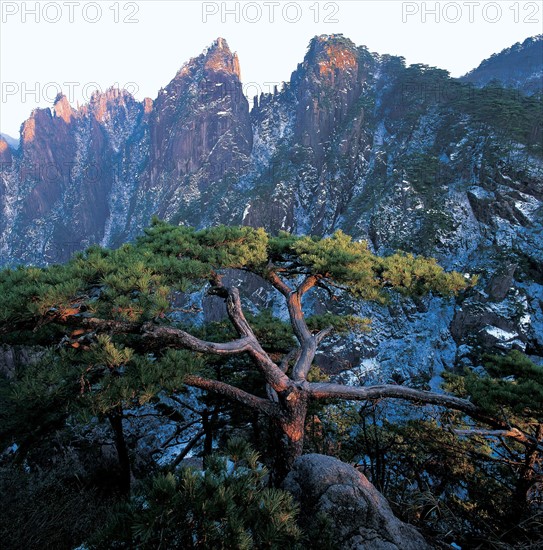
(361, 518)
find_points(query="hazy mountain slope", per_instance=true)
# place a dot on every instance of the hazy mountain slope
(519, 67)
(12, 142)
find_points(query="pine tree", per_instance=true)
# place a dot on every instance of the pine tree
(112, 310)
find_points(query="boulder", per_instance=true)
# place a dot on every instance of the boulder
(360, 516)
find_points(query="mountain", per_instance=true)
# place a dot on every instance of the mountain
(98, 173)
(404, 157)
(519, 67)
(200, 136)
(12, 142)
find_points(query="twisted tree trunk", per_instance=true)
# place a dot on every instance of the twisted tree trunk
(290, 429)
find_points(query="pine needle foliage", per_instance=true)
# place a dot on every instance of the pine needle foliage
(135, 282)
(226, 506)
(83, 384)
(341, 323)
(351, 266)
(512, 384)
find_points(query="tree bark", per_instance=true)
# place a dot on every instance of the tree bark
(116, 421)
(209, 420)
(289, 429)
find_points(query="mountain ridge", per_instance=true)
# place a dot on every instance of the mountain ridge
(520, 66)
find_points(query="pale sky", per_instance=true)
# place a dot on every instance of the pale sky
(78, 46)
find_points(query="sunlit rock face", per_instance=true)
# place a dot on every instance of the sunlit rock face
(200, 137)
(63, 177)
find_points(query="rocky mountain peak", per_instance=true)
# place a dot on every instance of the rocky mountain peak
(101, 103)
(326, 84)
(220, 44)
(219, 58)
(328, 54)
(331, 61)
(200, 129)
(62, 108)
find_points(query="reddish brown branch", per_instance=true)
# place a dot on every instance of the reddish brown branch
(278, 283)
(308, 283)
(166, 336)
(263, 405)
(233, 305)
(275, 377)
(320, 336)
(305, 360)
(324, 390)
(308, 342)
